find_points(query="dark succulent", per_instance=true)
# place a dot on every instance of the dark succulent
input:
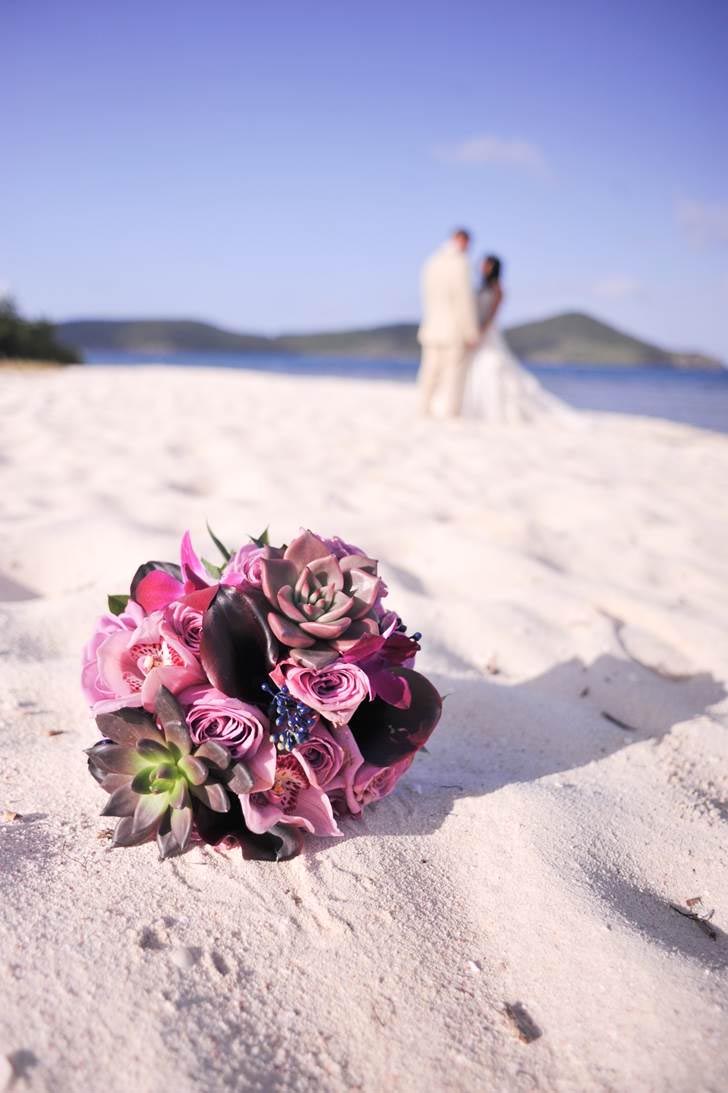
(161, 785)
(159, 782)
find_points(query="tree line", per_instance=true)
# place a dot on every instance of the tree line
(28, 340)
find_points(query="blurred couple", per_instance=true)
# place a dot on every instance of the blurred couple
(467, 369)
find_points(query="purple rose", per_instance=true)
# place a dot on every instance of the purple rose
(238, 726)
(322, 756)
(335, 691)
(187, 623)
(341, 549)
(244, 566)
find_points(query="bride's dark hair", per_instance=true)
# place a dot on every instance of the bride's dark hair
(492, 278)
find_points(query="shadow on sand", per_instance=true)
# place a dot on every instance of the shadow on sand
(494, 734)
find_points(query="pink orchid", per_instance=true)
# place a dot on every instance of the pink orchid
(160, 585)
(292, 799)
(94, 687)
(134, 663)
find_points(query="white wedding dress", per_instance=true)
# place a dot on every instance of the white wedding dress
(498, 390)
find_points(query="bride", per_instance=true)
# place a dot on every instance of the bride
(498, 389)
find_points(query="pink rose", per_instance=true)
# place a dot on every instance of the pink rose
(244, 566)
(322, 756)
(241, 728)
(371, 783)
(292, 799)
(132, 664)
(335, 691)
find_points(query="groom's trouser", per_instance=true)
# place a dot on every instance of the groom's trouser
(443, 367)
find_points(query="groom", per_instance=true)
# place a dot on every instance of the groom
(449, 328)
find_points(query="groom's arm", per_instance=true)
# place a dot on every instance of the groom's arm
(465, 305)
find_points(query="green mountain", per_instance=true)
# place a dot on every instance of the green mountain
(571, 337)
(157, 336)
(581, 339)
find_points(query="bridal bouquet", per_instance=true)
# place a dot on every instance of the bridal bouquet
(253, 700)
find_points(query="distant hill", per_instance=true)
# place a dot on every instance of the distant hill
(396, 341)
(580, 339)
(157, 336)
(572, 337)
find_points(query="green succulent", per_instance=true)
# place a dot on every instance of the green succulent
(157, 779)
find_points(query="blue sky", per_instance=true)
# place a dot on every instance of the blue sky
(288, 166)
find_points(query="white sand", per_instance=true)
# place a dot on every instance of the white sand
(530, 857)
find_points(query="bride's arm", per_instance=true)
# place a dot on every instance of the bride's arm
(497, 301)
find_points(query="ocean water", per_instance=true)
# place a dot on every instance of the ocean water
(695, 398)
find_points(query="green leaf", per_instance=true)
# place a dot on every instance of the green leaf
(227, 555)
(262, 540)
(117, 603)
(215, 571)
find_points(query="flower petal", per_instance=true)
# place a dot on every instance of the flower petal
(341, 605)
(241, 781)
(157, 589)
(365, 588)
(358, 629)
(192, 568)
(148, 812)
(115, 759)
(181, 822)
(127, 726)
(179, 797)
(238, 646)
(327, 571)
(167, 844)
(287, 604)
(153, 751)
(288, 632)
(125, 835)
(194, 770)
(358, 561)
(169, 568)
(304, 549)
(392, 688)
(315, 657)
(276, 573)
(214, 753)
(326, 631)
(279, 844)
(386, 734)
(122, 802)
(213, 795)
(172, 720)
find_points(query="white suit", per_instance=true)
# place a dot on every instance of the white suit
(449, 323)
